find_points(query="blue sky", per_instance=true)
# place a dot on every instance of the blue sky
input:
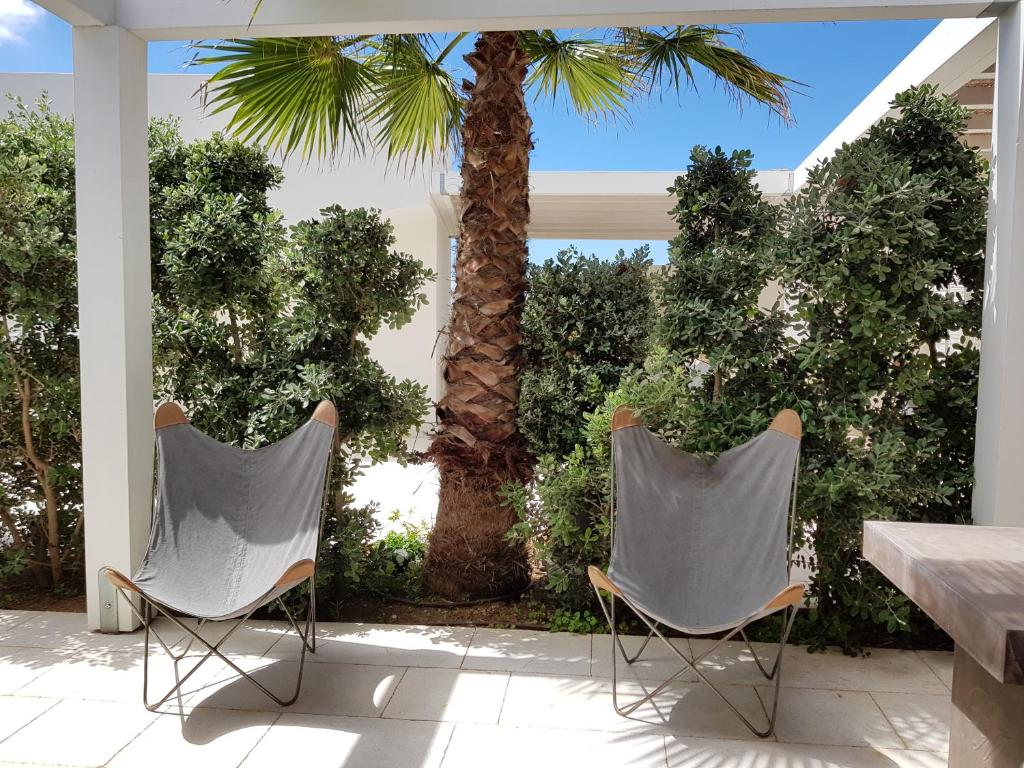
(839, 63)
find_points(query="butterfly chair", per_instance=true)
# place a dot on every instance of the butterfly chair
(232, 531)
(701, 545)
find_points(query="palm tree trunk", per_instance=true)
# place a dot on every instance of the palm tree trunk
(478, 447)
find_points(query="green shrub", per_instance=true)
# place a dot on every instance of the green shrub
(251, 327)
(719, 265)
(585, 322)
(883, 262)
(40, 423)
(395, 562)
(880, 258)
(248, 344)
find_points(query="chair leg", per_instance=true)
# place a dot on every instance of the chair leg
(213, 650)
(692, 663)
(307, 636)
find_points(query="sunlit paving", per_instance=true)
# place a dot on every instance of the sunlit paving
(419, 697)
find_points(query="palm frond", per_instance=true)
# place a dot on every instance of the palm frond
(417, 110)
(664, 58)
(596, 80)
(302, 94)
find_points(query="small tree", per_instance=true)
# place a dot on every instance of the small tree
(883, 258)
(585, 322)
(249, 327)
(252, 329)
(40, 429)
(719, 267)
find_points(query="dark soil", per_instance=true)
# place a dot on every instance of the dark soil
(27, 596)
(520, 614)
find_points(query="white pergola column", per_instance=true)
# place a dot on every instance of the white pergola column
(112, 203)
(999, 453)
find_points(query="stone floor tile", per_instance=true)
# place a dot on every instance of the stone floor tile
(453, 695)
(350, 742)
(694, 752)
(696, 710)
(19, 666)
(883, 669)
(18, 711)
(510, 747)
(213, 737)
(382, 645)
(9, 618)
(253, 638)
(914, 758)
(327, 689)
(656, 664)
(554, 653)
(920, 719)
(118, 676)
(70, 631)
(941, 663)
(579, 703)
(86, 733)
(732, 662)
(830, 718)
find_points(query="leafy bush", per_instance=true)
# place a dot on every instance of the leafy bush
(585, 321)
(247, 344)
(880, 258)
(883, 262)
(395, 562)
(40, 426)
(719, 266)
(251, 327)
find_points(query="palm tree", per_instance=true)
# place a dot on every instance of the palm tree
(394, 93)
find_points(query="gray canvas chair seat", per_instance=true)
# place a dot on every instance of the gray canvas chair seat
(701, 544)
(233, 529)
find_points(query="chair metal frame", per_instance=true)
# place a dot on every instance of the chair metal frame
(150, 607)
(601, 583)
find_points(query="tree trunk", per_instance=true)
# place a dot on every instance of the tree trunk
(42, 470)
(478, 447)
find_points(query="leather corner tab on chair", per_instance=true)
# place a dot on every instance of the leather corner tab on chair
(326, 413)
(600, 580)
(118, 579)
(791, 595)
(169, 414)
(788, 423)
(624, 417)
(301, 570)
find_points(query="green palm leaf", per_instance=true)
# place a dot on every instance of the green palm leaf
(664, 57)
(417, 109)
(596, 80)
(295, 93)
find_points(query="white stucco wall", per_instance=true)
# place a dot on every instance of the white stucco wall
(308, 187)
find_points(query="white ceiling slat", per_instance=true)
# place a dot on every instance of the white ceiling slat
(199, 19)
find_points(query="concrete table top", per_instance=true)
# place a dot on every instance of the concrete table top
(968, 579)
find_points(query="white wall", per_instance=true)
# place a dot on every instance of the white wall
(308, 187)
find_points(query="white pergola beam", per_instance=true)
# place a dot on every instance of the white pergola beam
(999, 449)
(598, 205)
(203, 19)
(115, 316)
(81, 13)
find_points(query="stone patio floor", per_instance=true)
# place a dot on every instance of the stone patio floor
(422, 697)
